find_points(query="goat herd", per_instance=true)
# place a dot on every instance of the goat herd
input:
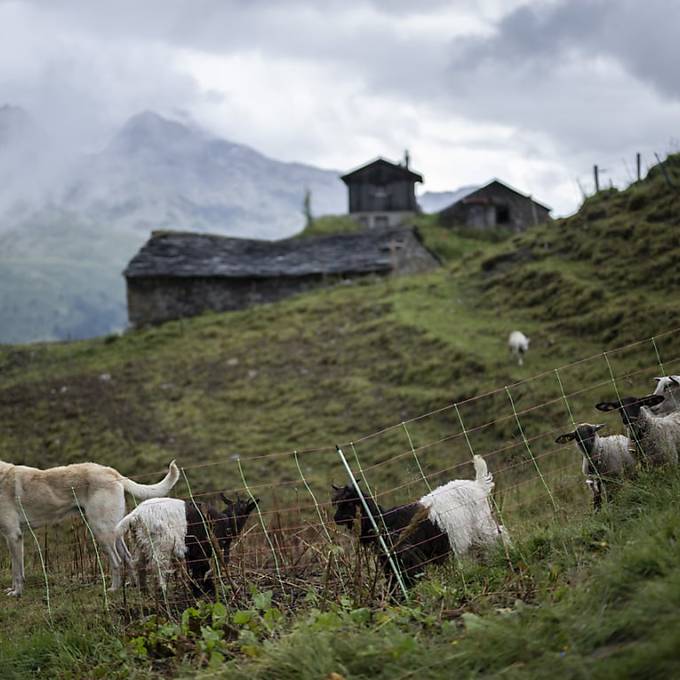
(450, 519)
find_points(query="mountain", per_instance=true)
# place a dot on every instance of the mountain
(157, 173)
(434, 201)
(69, 222)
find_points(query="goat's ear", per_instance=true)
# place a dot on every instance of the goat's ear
(674, 379)
(607, 406)
(652, 400)
(225, 500)
(564, 438)
(335, 488)
(658, 379)
(253, 503)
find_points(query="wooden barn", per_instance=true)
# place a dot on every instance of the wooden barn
(180, 274)
(495, 205)
(381, 193)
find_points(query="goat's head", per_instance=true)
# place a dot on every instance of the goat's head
(629, 407)
(237, 513)
(346, 502)
(583, 435)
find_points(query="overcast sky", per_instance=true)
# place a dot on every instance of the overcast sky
(532, 91)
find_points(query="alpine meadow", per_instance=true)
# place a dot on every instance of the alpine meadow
(409, 377)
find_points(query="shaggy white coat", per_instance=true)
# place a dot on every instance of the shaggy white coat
(461, 509)
(669, 387)
(159, 526)
(658, 436)
(611, 456)
(518, 343)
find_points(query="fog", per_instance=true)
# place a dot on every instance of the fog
(535, 92)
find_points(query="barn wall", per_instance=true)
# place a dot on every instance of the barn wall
(399, 195)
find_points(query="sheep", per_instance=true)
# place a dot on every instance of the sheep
(518, 343)
(452, 518)
(669, 387)
(657, 438)
(167, 528)
(604, 458)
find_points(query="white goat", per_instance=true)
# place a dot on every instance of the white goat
(669, 387)
(169, 529)
(452, 518)
(657, 438)
(604, 458)
(518, 343)
(461, 509)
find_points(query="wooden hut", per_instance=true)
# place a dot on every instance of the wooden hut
(382, 193)
(494, 206)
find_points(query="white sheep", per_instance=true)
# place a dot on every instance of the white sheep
(518, 343)
(604, 458)
(669, 387)
(656, 438)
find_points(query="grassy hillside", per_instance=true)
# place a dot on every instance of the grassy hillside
(336, 366)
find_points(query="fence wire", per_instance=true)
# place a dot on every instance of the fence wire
(292, 543)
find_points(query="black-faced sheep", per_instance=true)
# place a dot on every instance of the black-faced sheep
(605, 459)
(656, 438)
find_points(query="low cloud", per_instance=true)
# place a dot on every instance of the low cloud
(533, 90)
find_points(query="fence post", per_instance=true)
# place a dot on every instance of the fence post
(393, 564)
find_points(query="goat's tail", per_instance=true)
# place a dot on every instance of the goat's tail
(162, 488)
(482, 475)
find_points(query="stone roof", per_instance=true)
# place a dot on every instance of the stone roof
(184, 254)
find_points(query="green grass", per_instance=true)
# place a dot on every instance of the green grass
(335, 365)
(596, 597)
(329, 224)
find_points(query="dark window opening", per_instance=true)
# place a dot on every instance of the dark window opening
(502, 214)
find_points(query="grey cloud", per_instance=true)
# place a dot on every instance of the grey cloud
(641, 36)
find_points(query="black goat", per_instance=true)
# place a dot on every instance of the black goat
(451, 518)
(167, 528)
(411, 538)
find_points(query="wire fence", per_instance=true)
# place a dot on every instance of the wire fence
(290, 543)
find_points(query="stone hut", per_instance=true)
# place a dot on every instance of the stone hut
(180, 274)
(381, 193)
(494, 205)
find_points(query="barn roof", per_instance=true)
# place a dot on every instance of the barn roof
(184, 254)
(383, 167)
(469, 194)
